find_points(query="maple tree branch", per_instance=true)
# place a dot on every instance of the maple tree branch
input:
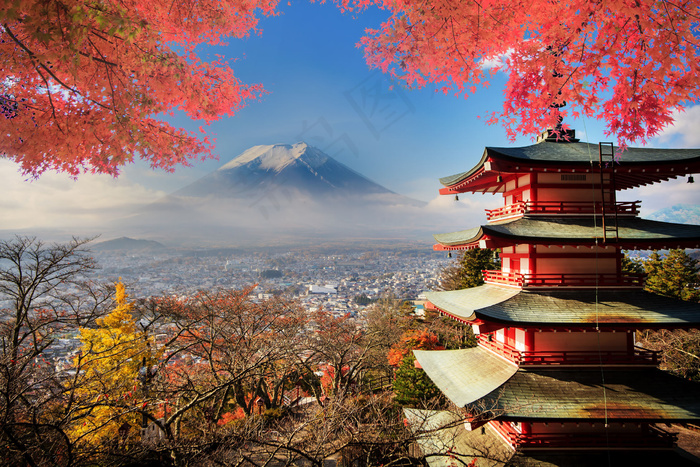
(673, 26)
(687, 12)
(33, 57)
(111, 85)
(53, 108)
(454, 38)
(39, 65)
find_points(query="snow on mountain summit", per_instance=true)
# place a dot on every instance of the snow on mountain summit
(276, 157)
(281, 191)
(296, 171)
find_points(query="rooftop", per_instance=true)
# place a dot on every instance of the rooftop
(465, 375)
(442, 439)
(632, 308)
(649, 395)
(635, 166)
(484, 383)
(633, 233)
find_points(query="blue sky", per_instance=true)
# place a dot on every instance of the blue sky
(320, 90)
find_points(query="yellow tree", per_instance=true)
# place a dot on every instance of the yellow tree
(107, 382)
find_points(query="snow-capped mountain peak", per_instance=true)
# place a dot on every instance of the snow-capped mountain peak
(297, 170)
(276, 157)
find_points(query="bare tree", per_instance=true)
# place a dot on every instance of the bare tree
(44, 291)
(224, 352)
(680, 350)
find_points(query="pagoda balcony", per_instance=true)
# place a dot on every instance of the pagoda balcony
(572, 280)
(653, 438)
(639, 356)
(569, 208)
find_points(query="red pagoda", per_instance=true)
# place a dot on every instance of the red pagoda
(556, 366)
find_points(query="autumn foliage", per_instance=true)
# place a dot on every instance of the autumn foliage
(227, 379)
(629, 63)
(108, 365)
(413, 340)
(85, 85)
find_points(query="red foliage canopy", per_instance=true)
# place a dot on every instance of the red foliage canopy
(627, 62)
(412, 340)
(84, 84)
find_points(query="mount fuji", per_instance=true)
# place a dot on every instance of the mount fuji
(287, 170)
(282, 194)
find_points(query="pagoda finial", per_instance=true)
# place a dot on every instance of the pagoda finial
(558, 134)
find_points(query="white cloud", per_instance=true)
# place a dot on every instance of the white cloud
(56, 201)
(663, 195)
(447, 215)
(685, 132)
(497, 61)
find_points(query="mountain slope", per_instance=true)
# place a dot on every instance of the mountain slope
(678, 213)
(298, 168)
(283, 194)
(128, 244)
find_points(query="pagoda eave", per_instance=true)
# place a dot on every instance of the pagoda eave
(600, 419)
(631, 233)
(494, 180)
(635, 167)
(465, 375)
(627, 244)
(486, 324)
(565, 309)
(644, 395)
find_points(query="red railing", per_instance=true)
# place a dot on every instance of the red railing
(623, 208)
(651, 436)
(638, 356)
(488, 341)
(563, 280)
(654, 438)
(511, 210)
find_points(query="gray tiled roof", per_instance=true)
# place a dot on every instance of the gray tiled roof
(559, 154)
(442, 439)
(465, 375)
(582, 152)
(649, 395)
(584, 230)
(584, 307)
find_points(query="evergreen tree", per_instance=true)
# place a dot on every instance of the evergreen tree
(412, 386)
(632, 265)
(674, 275)
(465, 271)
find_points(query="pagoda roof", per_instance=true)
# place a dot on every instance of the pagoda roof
(646, 394)
(635, 166)
(650, 395)
(442, 438)
(627, 308)
(465, 375)
(633, 233)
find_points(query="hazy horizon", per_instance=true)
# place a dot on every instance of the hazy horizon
(322, 92)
